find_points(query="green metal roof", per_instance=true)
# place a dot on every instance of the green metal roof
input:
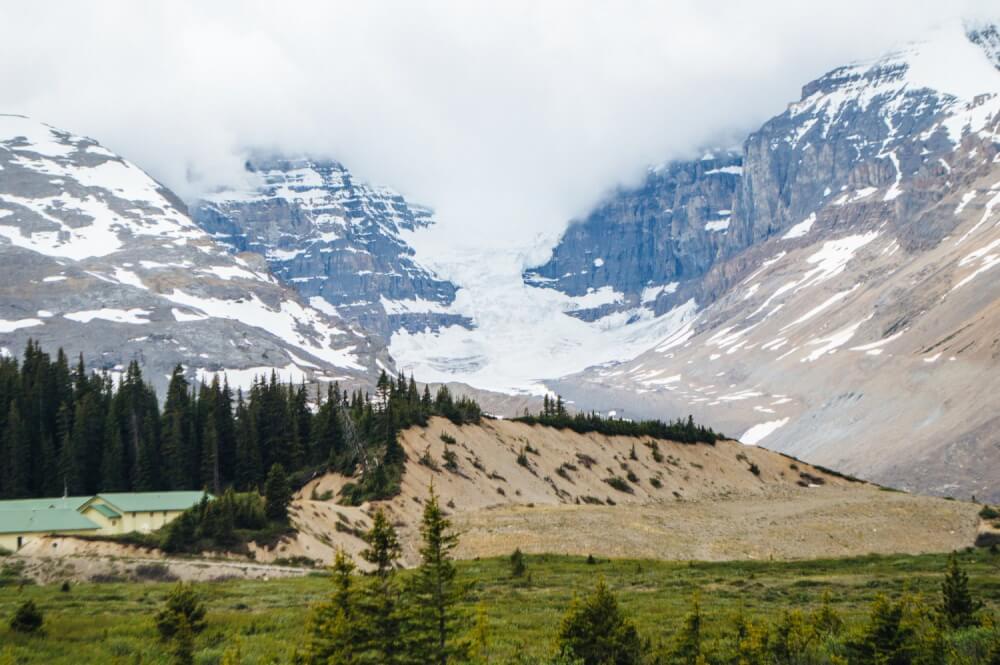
(73, 502)
(141, 502)
(105, 510)
(44, 520)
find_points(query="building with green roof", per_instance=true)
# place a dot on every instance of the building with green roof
(20, 526)
(23, 520)
(72, 502)
(124, 512)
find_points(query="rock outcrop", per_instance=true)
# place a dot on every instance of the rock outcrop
(336, 241)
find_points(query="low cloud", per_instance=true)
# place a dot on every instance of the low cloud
(508, 118)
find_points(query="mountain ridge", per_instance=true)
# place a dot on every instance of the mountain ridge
(104, 260)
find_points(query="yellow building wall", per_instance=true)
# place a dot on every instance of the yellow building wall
(142, 521)
(108, 526)
(8, 541)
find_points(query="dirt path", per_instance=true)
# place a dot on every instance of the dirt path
(104, 566)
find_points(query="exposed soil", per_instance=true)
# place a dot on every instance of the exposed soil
(546, 490)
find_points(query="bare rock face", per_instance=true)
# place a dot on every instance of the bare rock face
(101, 259)
(334, 240)
(849, 312)
(644, 243)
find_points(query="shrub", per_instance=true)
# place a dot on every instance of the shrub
(754, 469)
(517, 567)
(427, 460)
(182, 609)
(595, 631)
(522, 458)
(450, 460)
(27, 618)
(655, 482)
(447, 438)
(212, 524)
(988, 513)
(619, 484)
(156, 572)
(654, 448)
(325, 495)
(632, 478)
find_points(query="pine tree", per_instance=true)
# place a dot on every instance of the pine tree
(380, 600)
(277, 494)
(334, 628)
(27, 618)
(113, 465)
(596, 632)
(886, 637)
(957, 605)
(247, 470)
(517, 566)
(434, 594)
(17, 466)
(83, 459)
(686, 647)
(179, 458)
(181, 608)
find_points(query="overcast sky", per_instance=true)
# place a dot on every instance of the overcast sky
(507, 117)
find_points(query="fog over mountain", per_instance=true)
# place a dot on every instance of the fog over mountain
(508, 119)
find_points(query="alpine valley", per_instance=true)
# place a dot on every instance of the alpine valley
(826, 289)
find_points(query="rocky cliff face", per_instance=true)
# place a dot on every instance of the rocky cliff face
(647, 244)
(101, 259)
(848, 313)
(336, 241)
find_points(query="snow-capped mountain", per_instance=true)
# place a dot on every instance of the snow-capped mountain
(850, 313)
(336, 240)
(99, 258)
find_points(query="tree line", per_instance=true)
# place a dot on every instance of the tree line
(67, 429)
(555, 414)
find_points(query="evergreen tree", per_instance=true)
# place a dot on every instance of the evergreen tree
(179, 458)
(517, 566)
(596, 632)
(434, 594)
(83, 462)
(27, 618)
(885, 639)
(328, 437)
(182, 608)
(114, 476)
(17, 447)
(686, 647)
(380, 600)
(247, 471)
(958, 609)
(334, 628)
(277, 494)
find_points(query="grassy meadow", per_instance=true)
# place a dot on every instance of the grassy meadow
(113, 622)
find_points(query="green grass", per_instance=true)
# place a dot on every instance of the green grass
(111, 623)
